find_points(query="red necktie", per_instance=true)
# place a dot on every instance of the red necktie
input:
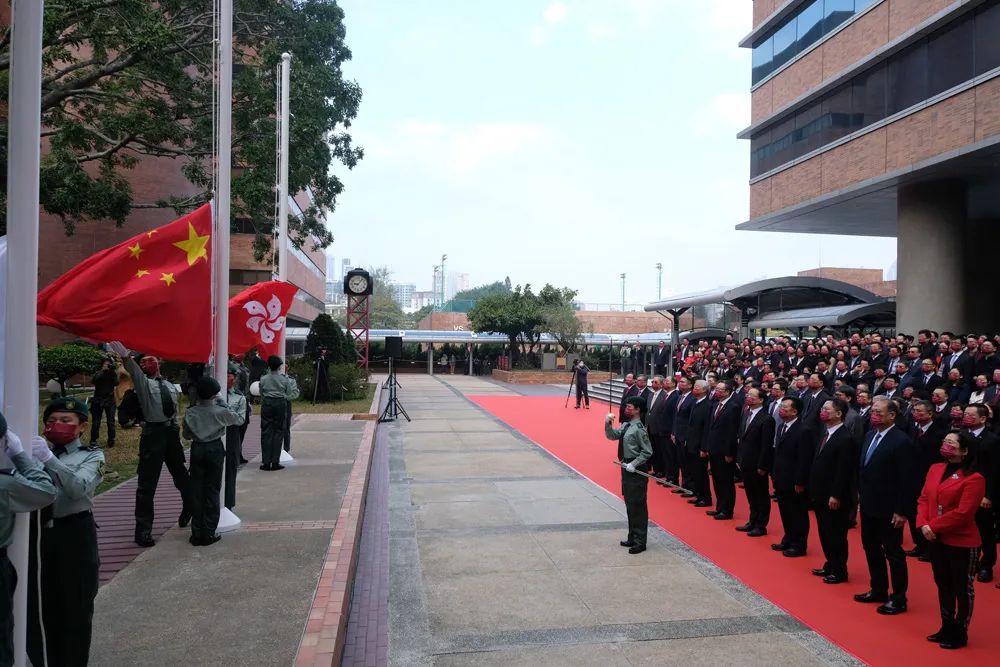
(822, 443)
(717, 411)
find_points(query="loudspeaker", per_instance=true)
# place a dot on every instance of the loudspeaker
(394, 347)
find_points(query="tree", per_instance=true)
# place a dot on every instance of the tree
(62, 362)
(559, 318)
(517, 315)
(385, 312)
(124, 80)
(325, 333)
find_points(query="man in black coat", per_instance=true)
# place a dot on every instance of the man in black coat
(678, 435)
(927, 437)
(644, 393)
(812, 401)
(661, 426)
(887, 484)
(832, 481)
(987, 464)
(723, 430)
(793, 453)
(755, 456)
(658, 425)
(696, 444)
(661, 357)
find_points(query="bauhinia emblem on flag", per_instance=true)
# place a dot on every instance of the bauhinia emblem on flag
(151, 292)
(257, 317)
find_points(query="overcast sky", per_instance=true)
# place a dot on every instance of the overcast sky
(563, 142)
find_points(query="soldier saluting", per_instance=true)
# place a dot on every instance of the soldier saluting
(636, 450)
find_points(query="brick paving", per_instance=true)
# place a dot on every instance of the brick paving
(114, 512)
(367, 642)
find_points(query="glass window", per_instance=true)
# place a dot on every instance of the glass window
(907, 78)
(868, 101)
(784, 44)
(987, 38)
(807, 127)
(763, 59)
(949, 57)
(837, 114)
(836, 12)
(809, 25)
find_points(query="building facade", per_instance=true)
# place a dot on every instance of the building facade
(882, 118)
(402, 294)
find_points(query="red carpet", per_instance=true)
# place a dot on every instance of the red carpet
(576, 437)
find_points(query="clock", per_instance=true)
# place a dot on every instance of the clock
(358, 282)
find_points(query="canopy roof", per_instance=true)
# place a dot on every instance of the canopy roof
(881, 314)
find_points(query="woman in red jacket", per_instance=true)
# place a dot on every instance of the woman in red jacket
(946, 514)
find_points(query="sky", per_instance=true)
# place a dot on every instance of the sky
(564, 143)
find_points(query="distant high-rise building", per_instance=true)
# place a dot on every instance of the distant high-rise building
(457, 282)
(345, 266)
(402, 293)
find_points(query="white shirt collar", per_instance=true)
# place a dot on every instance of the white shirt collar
(830, 430)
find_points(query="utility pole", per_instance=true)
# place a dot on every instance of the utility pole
(443, 293)
(659, 281)
(623, 292)
(434, 287)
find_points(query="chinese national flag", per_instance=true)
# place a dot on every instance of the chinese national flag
(257, 317)
(153, 292)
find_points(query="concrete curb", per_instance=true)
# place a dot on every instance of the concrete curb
(322, 642)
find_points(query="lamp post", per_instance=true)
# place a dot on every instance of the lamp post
(659, 281)
(434, 287)
(443, 293)
(623, 292)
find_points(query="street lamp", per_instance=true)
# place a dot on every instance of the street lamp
(659, 281)
(434, 286)
(623, 292)
(443, 293)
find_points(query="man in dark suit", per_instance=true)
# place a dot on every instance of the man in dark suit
(927, 436)
(661, 357)
(697, 445)
(660, 424)
(812, 402)
(684, 352)
(721, 442)
(928, 379)
(887, 484)
(987, 464)
(678, 436)
(643, 392)
(793, 452)
(961, 358)
(832, 480)
(942, 406)
(755, 455)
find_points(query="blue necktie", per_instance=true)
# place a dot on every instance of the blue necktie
(871, 449)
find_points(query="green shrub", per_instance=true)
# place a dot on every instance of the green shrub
(346, 381)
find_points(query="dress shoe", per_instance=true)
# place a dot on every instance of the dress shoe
(678, 491)
(723, 516)
(779, 547)
(941, 635)
(277, 466)
(914, 553)
(702, 503)
(711, 512)
(694, 501)
(835, 579)
(924, 558)
(265, 466)
(627, 543)
(576, 407)
(820, 572)
(145, 540)
(244, 461)
(687, 494)
(892, 607)
(793, 553)
(757, 532)
(959, 638)
(659, 475)
(985, 575)
(195, 541)
(184, 519)
(637, 549)
(745, 528)
(871, 597)
(207, 541)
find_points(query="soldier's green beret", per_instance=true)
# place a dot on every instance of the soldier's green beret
(207, 387)
(67, 404)
(636, 402)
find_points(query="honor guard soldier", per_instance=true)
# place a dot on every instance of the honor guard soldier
(26, 488)
(636, 450)
(66, 541)
(159, 443)
(276, 393)
(205, 425)
(237, 402)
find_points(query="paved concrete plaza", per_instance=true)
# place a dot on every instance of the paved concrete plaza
(246, 599)
(501, 555)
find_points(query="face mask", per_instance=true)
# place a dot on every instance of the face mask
(876, 420)
(60, 433)
(948, 450)
(824, 416)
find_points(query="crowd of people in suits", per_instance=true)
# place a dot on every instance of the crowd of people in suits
(867, 431)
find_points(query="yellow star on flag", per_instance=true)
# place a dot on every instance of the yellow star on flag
(168, 278)
(136, 250)
(141, 272)
(194, 245)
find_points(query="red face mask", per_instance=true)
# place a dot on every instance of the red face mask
(876, 420)
(948, 450)
(824, 416)
(60, 434)
(150, 367)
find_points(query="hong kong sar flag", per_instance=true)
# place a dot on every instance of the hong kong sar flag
(152, 292)
(257, 317)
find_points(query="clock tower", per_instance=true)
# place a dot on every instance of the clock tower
(358, 288)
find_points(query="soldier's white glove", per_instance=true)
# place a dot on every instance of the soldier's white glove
(119, 349)
(40, 449)
(630, 467)
(610, 417)
(11, 444)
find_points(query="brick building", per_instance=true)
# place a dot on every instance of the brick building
(882, 118)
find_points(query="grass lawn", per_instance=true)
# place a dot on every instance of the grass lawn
(358, 405)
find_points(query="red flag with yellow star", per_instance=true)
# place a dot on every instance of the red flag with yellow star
(153, 292)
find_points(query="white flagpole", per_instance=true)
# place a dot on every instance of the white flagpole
(227, 520)
(284, 115)
(20, 340)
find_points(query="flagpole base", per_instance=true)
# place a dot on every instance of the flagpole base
(286, 457)
(227, 521)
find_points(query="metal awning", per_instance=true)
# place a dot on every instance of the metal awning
(462, 337)
(774, 294)
(882, 314)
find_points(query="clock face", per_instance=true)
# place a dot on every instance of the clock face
(357, 284)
